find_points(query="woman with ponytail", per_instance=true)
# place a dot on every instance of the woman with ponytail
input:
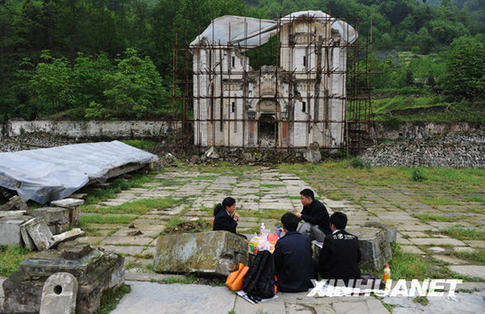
(224, 216)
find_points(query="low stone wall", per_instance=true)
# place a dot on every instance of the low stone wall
(91, 129)
(460, 146)
(416, 131)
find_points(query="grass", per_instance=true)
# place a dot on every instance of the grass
(267, 213)
(424, 106)
(477, 256)
(429, 217)
(11, 257)
(119, 184)
(206, 178)
(464, 233)
(270, 186)
(421, 300)
(413, 266)
(461, 182)
(110, 300)
(142, 144)
(101, 219)
(140, 206)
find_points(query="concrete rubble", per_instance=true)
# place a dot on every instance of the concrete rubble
(39, 233)
(213, 252)
(97, 272)
(14, 203)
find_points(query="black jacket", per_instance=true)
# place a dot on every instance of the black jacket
(293, 262)
(316, 213)
(223, 221)
(340, 257)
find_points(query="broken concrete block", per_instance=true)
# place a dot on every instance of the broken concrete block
(14, 203)
(66, 236)
(374, 247)
(38, 232)
(59, 294)
(68, 202)
(12, 213)
(212, 252)
(57, 218)
(29, 244)
(312, 154)
(211, 153)
(74, 210)
(81, 196)
(10, 230)
(96, 271)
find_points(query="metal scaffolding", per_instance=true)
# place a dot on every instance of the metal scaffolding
(284, 94)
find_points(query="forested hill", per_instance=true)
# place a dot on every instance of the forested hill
(111, 59)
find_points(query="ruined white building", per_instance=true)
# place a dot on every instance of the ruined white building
(295, 104)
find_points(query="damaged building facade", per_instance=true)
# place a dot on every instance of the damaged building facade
(299, 102)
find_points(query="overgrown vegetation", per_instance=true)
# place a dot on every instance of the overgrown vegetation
(102, 219)
(11, 257)
(139, 206)
(96, 194)
(461, 233)
(110, 300)
(418, 175)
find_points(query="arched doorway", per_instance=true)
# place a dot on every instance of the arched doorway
(268, 114)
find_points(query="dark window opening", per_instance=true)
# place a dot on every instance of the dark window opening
(233, 61)
(304, 61)
(303, 107)
(233, 107)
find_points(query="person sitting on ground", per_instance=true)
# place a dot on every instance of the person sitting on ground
(340, 255)
(293, 258)
(315, 216)
(225, 217)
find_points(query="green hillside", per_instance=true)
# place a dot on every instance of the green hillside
(106, 59)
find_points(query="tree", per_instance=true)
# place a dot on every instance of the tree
(465, 69)
(51, 84)
(133, 90)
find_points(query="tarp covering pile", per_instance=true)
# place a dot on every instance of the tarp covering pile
(54, 173)
(251, 32)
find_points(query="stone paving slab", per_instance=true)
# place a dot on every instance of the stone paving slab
(125, 250)
(460, 303)
(134, 240)
(477, 271)
(175, 298)
(412, 249)
(437, 241)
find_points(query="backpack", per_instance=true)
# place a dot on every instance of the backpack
(235, 279)
(260, 281)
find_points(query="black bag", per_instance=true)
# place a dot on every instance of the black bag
(259, 283)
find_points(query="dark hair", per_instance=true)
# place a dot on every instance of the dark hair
(227, 202)
(339, 220)
(289, 221)
(308, 193)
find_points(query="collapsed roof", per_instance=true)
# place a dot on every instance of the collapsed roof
(54, 173)
(252, 32)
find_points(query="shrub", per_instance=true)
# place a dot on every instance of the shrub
(359, 163)
(418, 175)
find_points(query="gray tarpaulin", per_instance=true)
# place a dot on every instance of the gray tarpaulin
(252, 32)
(54, 173)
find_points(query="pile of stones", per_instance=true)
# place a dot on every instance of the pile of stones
(457, 150)
(41, 228)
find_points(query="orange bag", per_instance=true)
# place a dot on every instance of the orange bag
(235, 279)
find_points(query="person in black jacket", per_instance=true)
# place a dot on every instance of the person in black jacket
(340, 255)
(293, 258)
(225, 217)
(315, 216)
